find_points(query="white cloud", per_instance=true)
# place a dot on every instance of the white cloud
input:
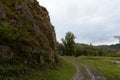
(90, 20)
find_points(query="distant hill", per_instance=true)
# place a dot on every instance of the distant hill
(113, 46)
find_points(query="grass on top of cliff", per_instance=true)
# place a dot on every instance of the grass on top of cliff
(65, 71)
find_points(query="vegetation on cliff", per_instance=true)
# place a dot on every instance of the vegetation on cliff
(27, 35)
(27, 38)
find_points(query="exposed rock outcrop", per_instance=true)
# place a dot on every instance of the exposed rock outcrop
(26, 33)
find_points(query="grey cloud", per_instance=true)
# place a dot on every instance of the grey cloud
(94, 21)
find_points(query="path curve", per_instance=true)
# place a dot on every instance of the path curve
(81, 76)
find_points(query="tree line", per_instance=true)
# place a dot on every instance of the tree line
(70, 48)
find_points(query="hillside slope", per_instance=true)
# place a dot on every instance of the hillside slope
(26, 33)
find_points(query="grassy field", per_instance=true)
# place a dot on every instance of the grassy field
(109, 69)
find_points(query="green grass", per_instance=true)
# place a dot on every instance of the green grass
(64, 71)
(107, 68)
(99, 58)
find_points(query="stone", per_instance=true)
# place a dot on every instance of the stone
(2, 12)
(30, 23)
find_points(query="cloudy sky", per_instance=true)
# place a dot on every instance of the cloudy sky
(92, 21)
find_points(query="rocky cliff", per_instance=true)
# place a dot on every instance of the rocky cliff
(26, 33)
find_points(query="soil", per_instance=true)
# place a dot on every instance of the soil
(83, 72)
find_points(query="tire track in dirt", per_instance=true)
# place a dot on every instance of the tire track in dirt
(91, 74)
(88, 74)
(79, 75)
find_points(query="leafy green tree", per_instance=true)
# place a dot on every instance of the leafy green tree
(60, 48)
(69, 44)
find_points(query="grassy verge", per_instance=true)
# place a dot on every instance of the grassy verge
(99, 58)
(109, 69)
(65, 71)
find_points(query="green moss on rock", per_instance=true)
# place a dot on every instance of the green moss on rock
(26, 30)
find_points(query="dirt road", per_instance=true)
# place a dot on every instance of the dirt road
(78, 75)
(83, 72)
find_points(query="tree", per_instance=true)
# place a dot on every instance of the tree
(69, 44)
(60, 48)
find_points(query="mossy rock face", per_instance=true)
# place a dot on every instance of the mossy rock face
(26, 33)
